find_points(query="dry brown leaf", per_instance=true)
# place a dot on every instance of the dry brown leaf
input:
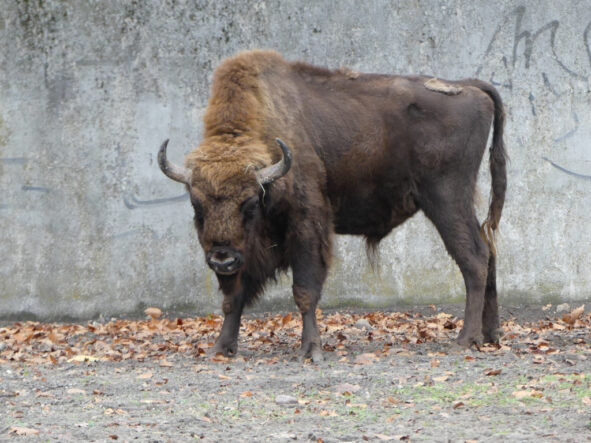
(366, 359)
(153, 312)
(347, 388)
(574, 315)
(82, 358)
(519, 395)
(286, 319)
(246, 394)
(76, 391)
(491, 372)
(20, 430)
(440, 379)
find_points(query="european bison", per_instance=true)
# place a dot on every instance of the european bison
(357, 154)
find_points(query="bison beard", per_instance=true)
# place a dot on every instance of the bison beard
(362, 154)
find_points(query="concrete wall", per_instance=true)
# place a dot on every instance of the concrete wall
(89, 89)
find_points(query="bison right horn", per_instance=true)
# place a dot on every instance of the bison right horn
(177, 173)
(276, 170)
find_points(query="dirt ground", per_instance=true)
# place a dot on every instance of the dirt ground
(387, 376)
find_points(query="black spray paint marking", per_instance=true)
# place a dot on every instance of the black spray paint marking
(531, 101)
(36, 188)
(13, 160)
(134, 232)
(571, 132)
(566, 171)
(530, 38)
(131, 202)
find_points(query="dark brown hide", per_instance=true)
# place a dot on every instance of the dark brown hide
(369, 151)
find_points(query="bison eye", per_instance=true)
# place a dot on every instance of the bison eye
(199, 219)
(249, 207)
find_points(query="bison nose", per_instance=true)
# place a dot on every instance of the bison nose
(223, 260)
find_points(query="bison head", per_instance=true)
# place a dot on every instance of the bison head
(226, 185)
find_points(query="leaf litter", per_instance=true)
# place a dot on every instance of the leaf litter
(163, 338)
(385, 370)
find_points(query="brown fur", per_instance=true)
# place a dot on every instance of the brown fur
(369, 151)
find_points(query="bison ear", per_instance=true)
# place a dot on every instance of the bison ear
(276, 170)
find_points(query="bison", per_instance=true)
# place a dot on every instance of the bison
(293, 153)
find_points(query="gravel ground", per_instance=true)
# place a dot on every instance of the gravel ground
(373, 386)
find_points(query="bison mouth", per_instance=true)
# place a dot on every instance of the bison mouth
(224, 260)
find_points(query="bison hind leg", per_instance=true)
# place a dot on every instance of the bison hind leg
(491, 329)
(460, 231)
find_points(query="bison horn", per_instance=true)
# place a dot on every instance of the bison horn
(276, 170)
(177, 173)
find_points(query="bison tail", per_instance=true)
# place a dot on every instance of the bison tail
(498, 169)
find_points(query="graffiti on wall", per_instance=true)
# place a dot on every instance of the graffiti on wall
(557, 82)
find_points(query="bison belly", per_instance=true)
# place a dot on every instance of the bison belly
(373, 214)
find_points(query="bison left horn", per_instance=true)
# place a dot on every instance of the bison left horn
(177, 173)
(276, 170)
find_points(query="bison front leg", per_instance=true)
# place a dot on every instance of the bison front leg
(227, 341)
(309, 272)
(311, 343)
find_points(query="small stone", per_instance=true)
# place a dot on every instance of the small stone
(362, 323)
(564, 307)
(2, 346)
(286, 400)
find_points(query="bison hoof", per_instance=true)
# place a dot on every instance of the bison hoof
(493, 336)
(313, 351)
(227, 349)
(466, 340)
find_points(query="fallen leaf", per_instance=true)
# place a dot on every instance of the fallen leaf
(458, 405)
(145, 375)
(19, 430)
(82, 358)
(491, 372)
(366, 359)
(153, 312)
(246, 394)
(440, 379)
(573, 315)
(345, 388)
(520, 395)
(76, 391)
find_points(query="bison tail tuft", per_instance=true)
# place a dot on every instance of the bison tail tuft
(498, 170)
